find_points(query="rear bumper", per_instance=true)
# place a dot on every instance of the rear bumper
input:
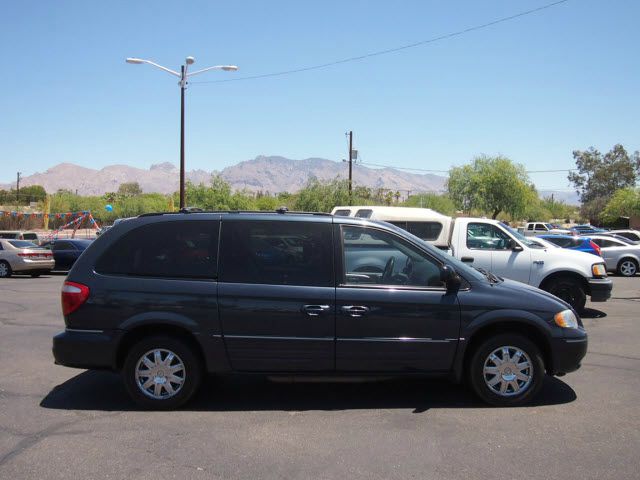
(600, 289)
(32, 266)
(93, 349)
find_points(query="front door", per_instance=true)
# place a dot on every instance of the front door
(486, 238)
(276, 295)
(393, 312)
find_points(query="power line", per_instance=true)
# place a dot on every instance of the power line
(389, 50)
(447, 171)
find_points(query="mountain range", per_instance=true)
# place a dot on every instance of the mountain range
(264, 173)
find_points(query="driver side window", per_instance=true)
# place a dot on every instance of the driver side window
(376, 258)
(484, 236)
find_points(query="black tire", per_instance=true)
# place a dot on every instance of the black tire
(35, 275)
(184, 353)
(631, 267)
(568, 289)
(510, 398)
(5, 270)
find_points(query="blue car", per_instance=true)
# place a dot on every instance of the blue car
(586, 229)
(582, 244)
(66, 251)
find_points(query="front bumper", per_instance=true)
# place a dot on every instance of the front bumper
(600, 289)
(92, 349)
(569, 351)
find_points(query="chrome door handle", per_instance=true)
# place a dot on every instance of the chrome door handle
(315, 310)
(355, 310)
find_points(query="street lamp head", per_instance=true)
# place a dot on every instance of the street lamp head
(190, 60)
(135, 61)
(229, 68)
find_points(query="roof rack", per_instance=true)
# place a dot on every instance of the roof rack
(190, 210)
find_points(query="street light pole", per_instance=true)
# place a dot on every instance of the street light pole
(183, 76)
(183, 83)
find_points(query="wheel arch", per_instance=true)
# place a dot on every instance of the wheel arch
(565, 274)
(529, 328)
(137, 333)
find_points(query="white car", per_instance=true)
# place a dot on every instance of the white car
(619, 255)
(24, 257)
(633, 235)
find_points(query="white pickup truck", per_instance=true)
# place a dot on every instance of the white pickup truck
(540, 228)
(494, 247)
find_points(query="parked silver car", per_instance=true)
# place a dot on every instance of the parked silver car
(24, 257)
(620, 255)
(633, 235)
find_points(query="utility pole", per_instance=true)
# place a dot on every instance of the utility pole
(350, 166)
(18, 190)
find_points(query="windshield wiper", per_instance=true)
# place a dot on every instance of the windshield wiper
(490, 276)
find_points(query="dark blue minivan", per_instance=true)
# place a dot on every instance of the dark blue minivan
(166, 298)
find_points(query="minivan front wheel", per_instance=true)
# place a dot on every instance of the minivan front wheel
(506, 370)
(161, 372)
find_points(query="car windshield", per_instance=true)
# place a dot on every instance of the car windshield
(549, 226)
(460, 267)
(22, 244)
(521, 238)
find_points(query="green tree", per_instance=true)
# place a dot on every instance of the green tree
(600, 175)
(624, 203)
(129, 189)
(317, 196)
(490, 184)
(440, 203)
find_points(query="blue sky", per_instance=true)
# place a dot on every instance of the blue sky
(533, 89)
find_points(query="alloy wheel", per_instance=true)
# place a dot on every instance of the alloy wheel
(160, 374)
(508, 371)
(628, 268)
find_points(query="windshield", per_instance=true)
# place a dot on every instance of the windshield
(460, 267)
(521, 238)
(549, 226)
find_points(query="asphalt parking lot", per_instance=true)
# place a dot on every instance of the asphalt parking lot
(57, 422)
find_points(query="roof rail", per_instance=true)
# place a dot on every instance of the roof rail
(189, 210)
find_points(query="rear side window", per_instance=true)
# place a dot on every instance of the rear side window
(277, 253)
(423, 230)
(168, 249)
(343, 213)
(364, 213)
(30, 236)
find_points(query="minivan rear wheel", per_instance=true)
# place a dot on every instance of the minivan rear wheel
(161, 372)
(506, 370)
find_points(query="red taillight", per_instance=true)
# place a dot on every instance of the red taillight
(73, 295)
(596, 248)
(36, 255)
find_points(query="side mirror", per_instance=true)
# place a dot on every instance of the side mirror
(515, 246)
(450, 278)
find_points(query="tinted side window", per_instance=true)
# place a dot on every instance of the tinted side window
(63, 246)
(530, 226)
(485, 236)
(277, 253)
(169, 249)
(374, 257)
(364, 213)
(343, 213)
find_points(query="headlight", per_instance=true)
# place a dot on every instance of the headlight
(566, 319)
(599, 270)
